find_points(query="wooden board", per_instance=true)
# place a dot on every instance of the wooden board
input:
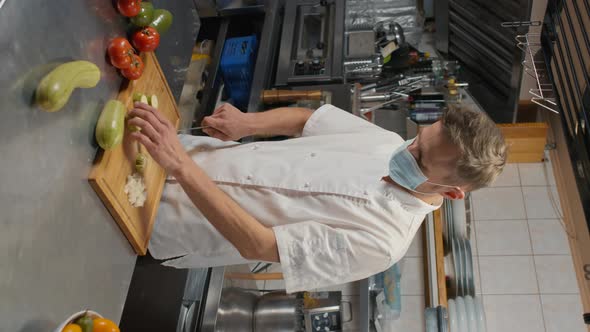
(526, 141)
(111, 168)
(440, 264)
(440, 255)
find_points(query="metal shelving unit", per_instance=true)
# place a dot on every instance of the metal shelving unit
(542, 94)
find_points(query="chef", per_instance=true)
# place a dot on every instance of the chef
(339, 202)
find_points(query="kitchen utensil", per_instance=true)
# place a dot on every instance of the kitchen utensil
(109, 172)
(236, 311)
(193, 128)
(461, 242)
(191, 299)
(75, 316)
(449, 216)
(431, 318)
(447, 227)
(282, 96)
(457, 276)
(480, 315)
(468, 214)
(471, 315)
(459, 217)
(398, 31)
(373, 87)
(466, 289)
(378, 106)
(375, 97)
(443, 319)
(453, 225)
(470, 272)
(278, 312)
(453, 319)
(369, 67)
(462, 315)
(449, 268)
(458, 260)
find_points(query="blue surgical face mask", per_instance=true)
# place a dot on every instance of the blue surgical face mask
(404, 169)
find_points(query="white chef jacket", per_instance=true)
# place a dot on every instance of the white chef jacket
(334, 218)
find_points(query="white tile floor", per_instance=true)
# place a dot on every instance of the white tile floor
(525, 267)
(506, 313)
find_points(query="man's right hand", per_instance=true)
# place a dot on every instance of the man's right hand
(227, 123)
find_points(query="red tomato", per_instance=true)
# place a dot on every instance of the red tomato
(129, 8)
(119, 47)
(134, 71)
(146, 39)
(121, 62)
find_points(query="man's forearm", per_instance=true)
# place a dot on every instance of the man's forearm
(252, 239)
(283, 121)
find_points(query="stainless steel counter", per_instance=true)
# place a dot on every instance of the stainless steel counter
(60, 250)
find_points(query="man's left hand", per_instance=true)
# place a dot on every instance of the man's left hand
(159, 137)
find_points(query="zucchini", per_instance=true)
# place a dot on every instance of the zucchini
(55, 89)
(153, 101)
(111, 125)
(140, 163)
(137, 96)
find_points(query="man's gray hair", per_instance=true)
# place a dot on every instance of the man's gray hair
(482, 146)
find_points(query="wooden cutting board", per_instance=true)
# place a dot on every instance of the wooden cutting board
(111, 168)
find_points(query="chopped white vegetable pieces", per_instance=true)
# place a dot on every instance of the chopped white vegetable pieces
(135, 190)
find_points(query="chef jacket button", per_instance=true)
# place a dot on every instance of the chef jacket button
(249, 177)
(306, 185)
(365, 192)
(313, 154)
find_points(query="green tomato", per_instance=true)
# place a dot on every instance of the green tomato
(162, 20)
(86, 323)
(145, 16)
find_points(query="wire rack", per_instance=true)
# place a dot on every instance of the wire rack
(542, 93)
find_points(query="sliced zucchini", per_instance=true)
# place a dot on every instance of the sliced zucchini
(137, 96)
(153, 101)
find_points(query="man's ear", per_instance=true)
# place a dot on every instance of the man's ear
(454, 193)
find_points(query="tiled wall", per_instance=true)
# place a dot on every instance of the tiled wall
(526, 273)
